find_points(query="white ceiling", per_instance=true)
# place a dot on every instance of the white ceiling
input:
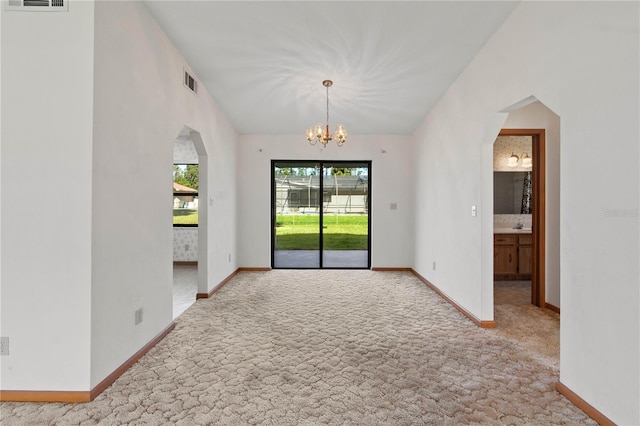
(264, 61)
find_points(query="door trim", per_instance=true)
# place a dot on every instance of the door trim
(538, 229)
(320, 164)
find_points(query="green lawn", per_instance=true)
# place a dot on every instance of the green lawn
(341, 232)
(185, 216)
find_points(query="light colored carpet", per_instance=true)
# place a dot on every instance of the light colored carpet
(323, 347)
(536, 330)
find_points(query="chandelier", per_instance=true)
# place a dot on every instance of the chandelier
(322, 135)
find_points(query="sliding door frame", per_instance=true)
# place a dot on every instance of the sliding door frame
(320, 164)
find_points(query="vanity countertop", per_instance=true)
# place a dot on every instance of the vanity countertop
(511, 231)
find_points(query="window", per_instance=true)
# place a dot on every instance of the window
(185, 195)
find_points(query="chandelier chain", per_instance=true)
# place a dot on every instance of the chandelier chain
(327, 105)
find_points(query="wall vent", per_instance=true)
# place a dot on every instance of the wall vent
(190, 82)
(37, 5)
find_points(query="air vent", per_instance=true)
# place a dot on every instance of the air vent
(37, 5)
(190, 82)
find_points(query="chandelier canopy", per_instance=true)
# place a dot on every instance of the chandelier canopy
(322, 135)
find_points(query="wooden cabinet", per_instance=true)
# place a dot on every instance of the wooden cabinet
(512, 256)
(505, 254)
(525, 256)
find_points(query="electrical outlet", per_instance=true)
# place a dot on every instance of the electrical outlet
(4, 346)
(434, 266)
(138, 316)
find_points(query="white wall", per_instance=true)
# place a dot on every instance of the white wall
(47, 98)
(89, 123)
(1, 134)
(538, 116)
(141, 106)
(185, 244)
(391, 182)
(581, 60)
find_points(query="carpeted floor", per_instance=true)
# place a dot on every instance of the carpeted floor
(536, 330)
(324, 347)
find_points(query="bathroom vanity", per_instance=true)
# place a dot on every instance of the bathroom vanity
(512, 254)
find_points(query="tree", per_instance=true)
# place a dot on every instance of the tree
(186, 175)
(341, 171)
(191, 176)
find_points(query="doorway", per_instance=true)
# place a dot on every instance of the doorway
(320, 214)
(533, 251)
(189, 219)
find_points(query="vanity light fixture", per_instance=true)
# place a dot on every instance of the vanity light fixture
(514, 160)
(322, 135)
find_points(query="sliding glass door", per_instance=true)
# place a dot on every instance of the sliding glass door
(296, 205)
(345, 215)
(320, 214)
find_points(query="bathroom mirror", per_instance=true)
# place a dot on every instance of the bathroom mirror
(508, 190)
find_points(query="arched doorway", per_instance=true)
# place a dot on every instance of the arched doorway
(189, 219)
(518, 315)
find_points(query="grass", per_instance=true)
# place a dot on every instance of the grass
(185, 216)
(300, 232)
(341, 232)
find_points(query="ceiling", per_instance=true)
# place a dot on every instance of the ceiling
(264, 61)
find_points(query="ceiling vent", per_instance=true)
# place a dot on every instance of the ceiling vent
(190, 82)
(37, 5)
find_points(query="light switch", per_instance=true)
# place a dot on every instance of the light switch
(474, 211)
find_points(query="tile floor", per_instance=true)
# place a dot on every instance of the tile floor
(185, 287)
(311, 259)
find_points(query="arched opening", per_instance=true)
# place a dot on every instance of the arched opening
(189, 219)
(529, 239)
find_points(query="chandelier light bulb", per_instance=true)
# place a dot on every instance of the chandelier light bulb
(341, 135)
(311, 136)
